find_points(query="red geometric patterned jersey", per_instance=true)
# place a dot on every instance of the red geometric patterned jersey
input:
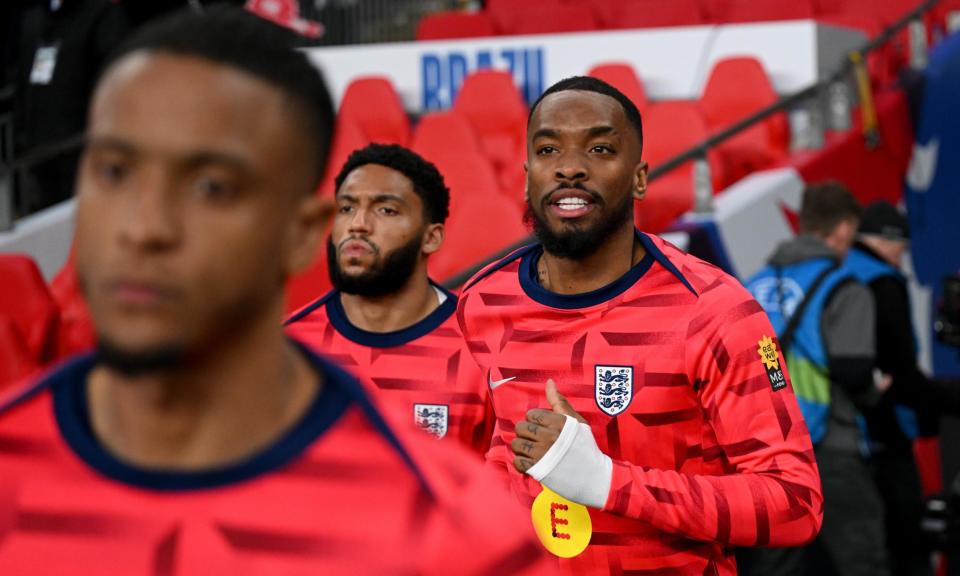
(344, 492)
(675, 368)
(424, 371)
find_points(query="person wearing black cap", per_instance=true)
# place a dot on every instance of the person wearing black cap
(908, 410)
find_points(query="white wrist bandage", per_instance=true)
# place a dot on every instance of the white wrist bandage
(574, 467)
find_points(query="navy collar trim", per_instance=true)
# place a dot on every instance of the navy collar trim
(339, 392)
(342, 324)
(531, 285)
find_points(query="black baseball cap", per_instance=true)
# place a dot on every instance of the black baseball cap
(884, 219)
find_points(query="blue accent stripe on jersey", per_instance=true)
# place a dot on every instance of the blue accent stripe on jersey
(660, 257)
(309, 308)
(518, 253)
(342, 324)
(340, 391)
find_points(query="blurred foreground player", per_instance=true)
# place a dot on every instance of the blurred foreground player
(385, 319)
(199, 440)
(639, 384)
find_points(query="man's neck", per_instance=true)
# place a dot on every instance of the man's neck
(617, 255)
(395, 311)
(222, 408)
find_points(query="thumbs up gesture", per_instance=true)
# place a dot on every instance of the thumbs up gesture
(541, 428)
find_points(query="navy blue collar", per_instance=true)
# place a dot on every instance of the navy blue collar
(342, 324)
(530, 282)
(340, 391)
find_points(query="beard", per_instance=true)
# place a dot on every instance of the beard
(386, 275)
(135, 363)
(578, 242)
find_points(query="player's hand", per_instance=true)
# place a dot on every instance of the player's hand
(541, 428)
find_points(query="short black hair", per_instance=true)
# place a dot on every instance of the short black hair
(826, 204)
(590, 84)
(234, 37)
(427, 180)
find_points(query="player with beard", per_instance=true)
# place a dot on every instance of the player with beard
(643, 412)
(200, 439)
(385, 320)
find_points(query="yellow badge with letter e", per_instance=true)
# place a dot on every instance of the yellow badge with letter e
(767, 348)
(563, 527)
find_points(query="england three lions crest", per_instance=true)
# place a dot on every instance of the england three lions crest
(432, 418)
(613, 388)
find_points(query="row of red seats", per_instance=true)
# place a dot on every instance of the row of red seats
(480, 143)
(508, 17)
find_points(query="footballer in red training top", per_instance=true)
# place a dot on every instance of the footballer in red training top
(643, 410)
(385, 320)
(199, 440)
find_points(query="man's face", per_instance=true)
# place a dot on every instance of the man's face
(380, 236)
(583, 171)
(841, 239)
(194, 203)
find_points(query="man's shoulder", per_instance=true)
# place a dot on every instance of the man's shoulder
(497, 271)
(312, 313)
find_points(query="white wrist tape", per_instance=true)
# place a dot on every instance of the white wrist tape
(574, 467)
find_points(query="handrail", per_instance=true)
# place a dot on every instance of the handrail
(700, 150)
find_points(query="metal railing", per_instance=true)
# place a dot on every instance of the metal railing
(836, 82)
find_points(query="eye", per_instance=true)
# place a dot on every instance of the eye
(602, 149)
(215, 189)
(544, 150)
(345, 209)
(388, 211)
(110, 172)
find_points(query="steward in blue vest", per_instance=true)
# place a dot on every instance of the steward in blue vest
(830, 356)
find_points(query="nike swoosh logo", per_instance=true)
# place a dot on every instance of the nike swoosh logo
(499, 382)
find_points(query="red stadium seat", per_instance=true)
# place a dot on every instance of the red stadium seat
(623, 78)
(346, 138)
(17, 361)
(504, 15)
(672, 128)
(480, 224)
(454, 24)
(441, 134)
(738, 87)
(648, 13)
(26, 301)
(373, 104)
(766, 10)
(76, 333)
(536, 18)
(490, 101)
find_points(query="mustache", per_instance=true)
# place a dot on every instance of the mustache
(373, 247)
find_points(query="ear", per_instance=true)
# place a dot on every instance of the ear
(640, 181)
(432, 238)
(313, 216)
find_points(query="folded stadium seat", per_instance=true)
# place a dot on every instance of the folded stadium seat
(444, 133)
(737, 88)
(767, 10)
(490, 101)
(671, 128)
(648, 13)
(454, 24)
(504, 15)
(310, 284)
(625, 79)
(26, 301)
(347, 137)
(373, 104)
(17, 362)
(537, 18)
(76, 333)
(480, 223)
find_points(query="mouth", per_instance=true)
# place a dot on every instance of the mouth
(571, 203)
(355, 248)
(140, 294)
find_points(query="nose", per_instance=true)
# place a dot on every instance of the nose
(571, 168)
(359, 222)
(150, 220)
